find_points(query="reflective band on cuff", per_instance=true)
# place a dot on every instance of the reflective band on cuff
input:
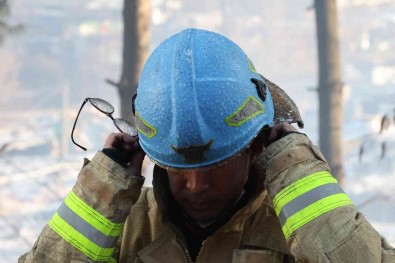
(79, 241)
(300, 187)
(93, 217)
(86, 229)
(306, 199)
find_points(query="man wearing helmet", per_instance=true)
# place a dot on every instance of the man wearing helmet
(233, 180)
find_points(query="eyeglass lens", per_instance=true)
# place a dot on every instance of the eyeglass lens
(125, 126)
(102, 105)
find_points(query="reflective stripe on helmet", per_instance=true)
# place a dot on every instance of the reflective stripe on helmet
(251, 66)
(144, 127)
(307, 199)
(250, 108)
(84, 228)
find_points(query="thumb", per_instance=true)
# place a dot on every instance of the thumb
(136, 162)
(280, 130)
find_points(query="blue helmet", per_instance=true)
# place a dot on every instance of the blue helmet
(199, 101)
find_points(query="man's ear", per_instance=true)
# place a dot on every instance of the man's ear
(256, 149)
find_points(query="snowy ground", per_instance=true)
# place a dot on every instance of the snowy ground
(34, 179)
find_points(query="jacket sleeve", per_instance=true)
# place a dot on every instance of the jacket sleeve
(318, 219)
(87, 225)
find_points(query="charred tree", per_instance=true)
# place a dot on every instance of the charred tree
(5, 28)
(329, 86)
(136, 39)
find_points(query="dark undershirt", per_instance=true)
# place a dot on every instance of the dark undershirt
(194, 234)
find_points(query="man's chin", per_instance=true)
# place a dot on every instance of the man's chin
(203, 213)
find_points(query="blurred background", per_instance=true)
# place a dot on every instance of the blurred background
(54, 54)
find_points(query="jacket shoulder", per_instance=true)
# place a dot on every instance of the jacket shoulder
(146, 199)
(142, 226)
(262, 229)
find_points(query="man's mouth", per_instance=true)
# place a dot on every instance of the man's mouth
(199, 206)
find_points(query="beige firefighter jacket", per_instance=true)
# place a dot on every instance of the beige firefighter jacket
(253, 234)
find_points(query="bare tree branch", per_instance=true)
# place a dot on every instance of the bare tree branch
(383, 149)
(386, 121)
(113, 83)
(361, 151)
(4, 147)
(376, 197)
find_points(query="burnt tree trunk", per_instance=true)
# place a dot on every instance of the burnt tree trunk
(330, 86)
(136, 39)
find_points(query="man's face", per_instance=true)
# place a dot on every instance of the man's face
(206, 193)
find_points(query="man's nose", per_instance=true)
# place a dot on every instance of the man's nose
(197, 182)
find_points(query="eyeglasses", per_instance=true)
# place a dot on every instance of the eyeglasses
(106, 108)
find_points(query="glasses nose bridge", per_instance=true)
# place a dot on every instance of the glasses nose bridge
(110, 115)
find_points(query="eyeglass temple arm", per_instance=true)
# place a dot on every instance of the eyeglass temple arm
(75, 122)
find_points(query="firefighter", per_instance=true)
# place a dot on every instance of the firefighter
(234, 180)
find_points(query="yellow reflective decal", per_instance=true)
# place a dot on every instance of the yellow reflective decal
(250, 108)
(250, 65)
(144, 127)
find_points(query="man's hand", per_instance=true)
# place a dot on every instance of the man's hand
(128, 150)
(278, 131)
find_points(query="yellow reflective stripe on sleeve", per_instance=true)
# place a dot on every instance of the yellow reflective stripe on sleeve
(91, 216)
(306, 199)
(300, 187)
(85, 228)
(313, 211)
(79, 241)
